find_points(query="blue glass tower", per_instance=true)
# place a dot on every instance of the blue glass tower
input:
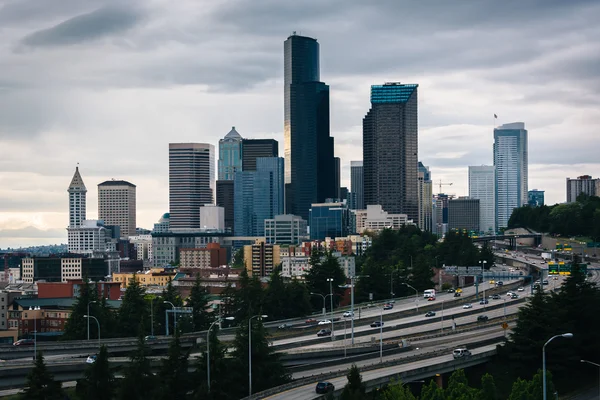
(390, 149)
(309, 159)
(230, 155)
(329, 220)
(258, 195)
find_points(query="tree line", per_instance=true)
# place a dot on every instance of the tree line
(580, 218)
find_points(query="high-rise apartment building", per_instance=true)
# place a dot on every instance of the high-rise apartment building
(356, 185)
(425, 198)
(482, 186)
(309, 159)
(583, 184)
(191, 183)
(390, 148)
(257, 148)
(511, 162)
(337, 168)
(230, 155)
(258, 195)
(77, 200)
(117, 205)
(535, 198)
(463, 214)
(440, 213)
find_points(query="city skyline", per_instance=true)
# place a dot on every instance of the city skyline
(164, 92)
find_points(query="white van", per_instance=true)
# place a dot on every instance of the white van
(462, 352)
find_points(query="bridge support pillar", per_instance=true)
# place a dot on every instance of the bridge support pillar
(439, 380)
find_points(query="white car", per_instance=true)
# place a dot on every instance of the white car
(347, 314)
(91, 359)
(324, 322)
(468, 306)
(520, 289)
(510, 293)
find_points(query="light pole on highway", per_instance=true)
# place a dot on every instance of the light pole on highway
(324, 297)
(167, 318)
(381, 336)
(442, 328)
(250, 353)
(416, 294)
(97, 323)
(330, 280)
(597, 365)
(88, 321)
(392, 284)
(352, 283)
(36, 308)
(483, 262)
(564, 335)
(217, 321)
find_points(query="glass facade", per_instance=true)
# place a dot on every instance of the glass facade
(230, 155)
(328, 220)
(309, 156)
(536, 198)
(390, 149)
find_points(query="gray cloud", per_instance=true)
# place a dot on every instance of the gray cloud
(32, 232)
(85, 27)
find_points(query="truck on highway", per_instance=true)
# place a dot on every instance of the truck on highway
(428, 293)
(547, 256)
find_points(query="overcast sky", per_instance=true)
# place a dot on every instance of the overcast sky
(109, 86)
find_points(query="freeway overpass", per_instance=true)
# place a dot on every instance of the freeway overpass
(512, 238)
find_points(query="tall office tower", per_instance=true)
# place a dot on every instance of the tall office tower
(191, 183)
(117, 205)
(225, 199)
(308, 147)
(255, 148)
(536, 198)
(463, 213)
(425, 198)
(390, 147)
(583, 184)
(440, 213)
(77, 198)
(258, 195)
(230, 155)
(511, 162)
(337, 168)
(482, 186)
(357, 184)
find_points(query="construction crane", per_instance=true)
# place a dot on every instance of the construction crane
(444, 184)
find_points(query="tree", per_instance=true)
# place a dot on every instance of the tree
(324, 266)
(355, 388)
(276, 298)
(99, 381)
(138, 380)
(488, 389)
(432, 392)
(41, 384)
(248, 299)
(396, 391)
(198, 300)
(134, 309)
(458, 387)
(76, 325)
(174, 379)
(169, 295)
(267, 370)
(238, 259)
(220, 388)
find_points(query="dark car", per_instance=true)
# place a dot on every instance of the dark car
(324, 332)
(484, 301)
(324, 387)
(514, 296)
(388, 306)
(24, 342)
(499, 283)
(376, 324)
(482, 318)
(456, 294)
(496, 297)
(450, 291)
(430, 314)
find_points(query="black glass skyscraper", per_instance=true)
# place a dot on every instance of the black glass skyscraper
(309, 163)
(390, 147)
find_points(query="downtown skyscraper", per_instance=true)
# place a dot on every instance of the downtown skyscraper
(482, 186)
(308, 148)
(357, 187)
(511, 162)
(191, 182)
(390, 149)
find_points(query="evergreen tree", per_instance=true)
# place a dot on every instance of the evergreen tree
(520, 390)
(276, 297)
(134, 309)
(298, 300)
(248, 299)
(76, 325)
(138, 380)
(355, 388)
(41, 384)
(267, 370)
(488, 389)
(324, 266)
(169, 295)
(220, 388)
(432, 392)
(198, 300)
(396, 391)
(174, 379)
(99, 382)
(458, 387)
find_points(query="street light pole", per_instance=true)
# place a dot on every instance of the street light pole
(250, 353)
(564, 335)
(442, 328)
(330, 280)
(597, 365)
(324, 297)
(97, 323)
(167, 318)
(416, 294)
(88, 320)
(36, 308)
(381, 336)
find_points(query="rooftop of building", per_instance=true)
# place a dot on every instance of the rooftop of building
(58, 303)
(233, 134)
(392, 92)
(77, 181)
(114, 182)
